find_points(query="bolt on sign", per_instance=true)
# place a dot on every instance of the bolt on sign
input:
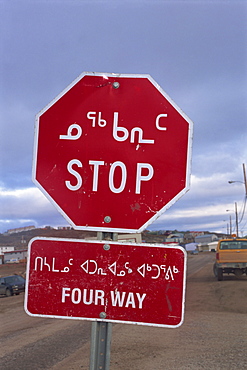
(106, 281)
(112, 152)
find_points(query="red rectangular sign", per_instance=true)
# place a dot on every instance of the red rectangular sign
(106, 281)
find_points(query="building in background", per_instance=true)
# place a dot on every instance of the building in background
(15, 256)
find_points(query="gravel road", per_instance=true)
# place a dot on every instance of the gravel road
(213, 335)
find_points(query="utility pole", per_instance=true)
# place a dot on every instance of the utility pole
(236, 212)
(245, 180)
(245, 185)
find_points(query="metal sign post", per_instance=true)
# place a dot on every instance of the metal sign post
(101, 332)
(100, 352)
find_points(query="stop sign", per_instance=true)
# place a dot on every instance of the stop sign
(112, 152)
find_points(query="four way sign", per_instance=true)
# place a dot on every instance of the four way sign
(126, 283)
(112, 152)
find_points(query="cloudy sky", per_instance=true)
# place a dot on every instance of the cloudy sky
(195, 50)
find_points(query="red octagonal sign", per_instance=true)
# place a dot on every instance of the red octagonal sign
(112, 152)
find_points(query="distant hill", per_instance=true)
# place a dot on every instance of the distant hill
(20, 240)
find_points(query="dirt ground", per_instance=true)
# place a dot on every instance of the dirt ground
(213, 335)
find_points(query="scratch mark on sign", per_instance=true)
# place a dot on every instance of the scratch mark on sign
(169, 305)
(149, 209)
